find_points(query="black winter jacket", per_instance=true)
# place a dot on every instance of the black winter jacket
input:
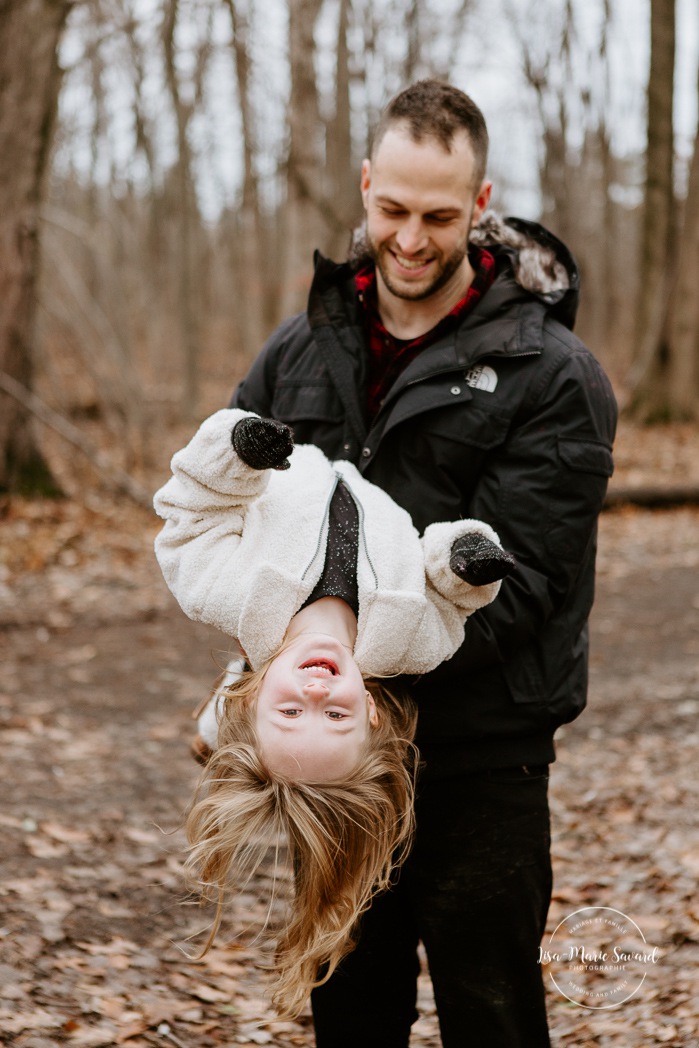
(508, 418)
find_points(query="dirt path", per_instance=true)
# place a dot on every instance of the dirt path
(95, 697)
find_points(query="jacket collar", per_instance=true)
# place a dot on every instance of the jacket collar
(334, 319)
(333, 314)
(537, 277)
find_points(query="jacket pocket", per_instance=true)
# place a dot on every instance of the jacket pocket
(446, 410)
(315, 414)
(297, 402)
(451, 444)
(583, 468)
(586, 456)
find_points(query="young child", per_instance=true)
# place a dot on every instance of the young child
(327, 586)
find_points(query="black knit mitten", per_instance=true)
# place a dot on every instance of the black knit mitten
(477, 560)
(263, 443)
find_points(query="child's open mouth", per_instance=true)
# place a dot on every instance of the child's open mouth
(324, 667)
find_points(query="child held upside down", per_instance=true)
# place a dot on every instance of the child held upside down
(327, 586)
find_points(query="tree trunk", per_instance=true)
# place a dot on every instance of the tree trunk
(305, 162)
(558, 208)
(29, 83)
(343, 185)
(643, 379)
(251, 301)
(683, 321)
(187, 277)
(413, 32)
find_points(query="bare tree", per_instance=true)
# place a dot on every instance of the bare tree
(29, 83)
(250, 303)
(655, 269)
(414, 30)
(342, 167)
(566, 70)
(457, 29)
(303, 226)
(187, 214)
(683, 320)
(548, 72)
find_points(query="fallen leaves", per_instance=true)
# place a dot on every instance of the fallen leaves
(62, 562)
(100, 673)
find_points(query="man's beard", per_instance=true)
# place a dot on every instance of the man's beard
(364, 249)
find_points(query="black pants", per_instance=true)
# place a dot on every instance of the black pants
(476, 891)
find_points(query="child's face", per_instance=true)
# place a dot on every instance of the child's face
(313, 713)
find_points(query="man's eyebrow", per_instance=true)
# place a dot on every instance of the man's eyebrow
(384, 198)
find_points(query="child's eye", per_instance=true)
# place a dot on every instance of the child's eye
(290, 712)
(334, 715)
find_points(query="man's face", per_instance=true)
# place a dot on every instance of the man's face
(421, 203)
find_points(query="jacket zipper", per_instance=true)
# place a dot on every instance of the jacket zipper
(362, 544)
(326, 515)
(363, 541)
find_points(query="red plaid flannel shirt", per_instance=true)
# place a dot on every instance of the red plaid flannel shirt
(389, 356)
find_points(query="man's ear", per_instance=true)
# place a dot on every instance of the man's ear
(365, 181)
(481, 202)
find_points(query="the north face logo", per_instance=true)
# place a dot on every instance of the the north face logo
(482, 377)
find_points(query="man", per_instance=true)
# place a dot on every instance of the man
(441, 361)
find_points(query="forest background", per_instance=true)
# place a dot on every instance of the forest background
(166, 169)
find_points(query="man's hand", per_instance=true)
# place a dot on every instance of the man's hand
(478, 561)
(263, 443)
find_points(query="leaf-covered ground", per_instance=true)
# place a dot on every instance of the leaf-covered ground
(100, 673)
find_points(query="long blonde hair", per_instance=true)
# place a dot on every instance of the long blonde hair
(347, 838)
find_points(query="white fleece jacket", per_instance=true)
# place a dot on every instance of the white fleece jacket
(242, 550)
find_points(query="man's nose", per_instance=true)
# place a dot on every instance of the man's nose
(315, 689)
(411, 236)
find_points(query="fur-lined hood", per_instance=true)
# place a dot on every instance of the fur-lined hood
(541, 263)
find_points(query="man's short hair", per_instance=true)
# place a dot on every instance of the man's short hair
(434, 109)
